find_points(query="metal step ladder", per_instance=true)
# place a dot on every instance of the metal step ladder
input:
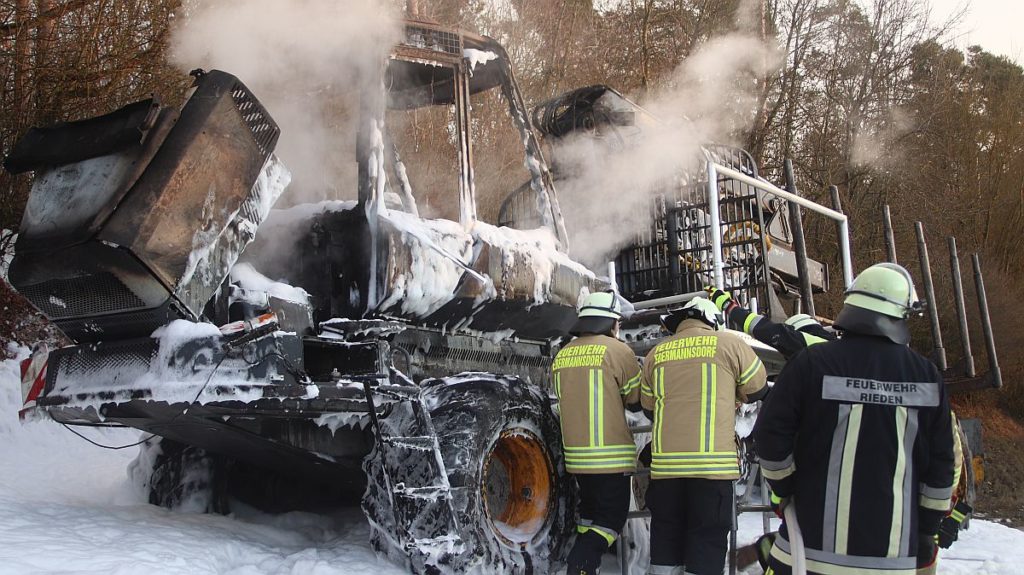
(413, 470)
(623, 544)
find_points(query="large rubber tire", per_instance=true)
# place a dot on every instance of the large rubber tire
(502, 448)
(180, 477)
(512, 500)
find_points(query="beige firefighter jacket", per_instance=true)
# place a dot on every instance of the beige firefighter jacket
(595, 377)
(691, 382)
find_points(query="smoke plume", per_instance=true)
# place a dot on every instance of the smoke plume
(304, 60)
(712, 95)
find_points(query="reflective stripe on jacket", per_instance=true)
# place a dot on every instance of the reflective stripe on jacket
(691, 382)
(785, 338)
(595, 377)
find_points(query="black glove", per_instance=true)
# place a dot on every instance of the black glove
(722, 299)
(949, 529)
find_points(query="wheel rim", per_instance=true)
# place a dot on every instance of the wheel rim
(517, 486)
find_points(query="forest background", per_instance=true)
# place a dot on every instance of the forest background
(871, 96)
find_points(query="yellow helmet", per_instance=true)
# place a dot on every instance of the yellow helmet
(878, 303)
(885, 288)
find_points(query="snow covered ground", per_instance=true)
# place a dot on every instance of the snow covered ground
(67, 507)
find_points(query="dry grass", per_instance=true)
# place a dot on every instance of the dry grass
(1000, 494)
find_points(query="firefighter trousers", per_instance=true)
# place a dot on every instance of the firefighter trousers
(604, 504)
(690, 522)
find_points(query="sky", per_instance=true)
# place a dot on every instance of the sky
(995, 25)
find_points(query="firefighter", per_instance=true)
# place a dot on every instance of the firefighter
(691, 382)
(857, 437)
(595, 377)
(796, 333)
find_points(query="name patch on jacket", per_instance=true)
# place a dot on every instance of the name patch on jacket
(697, 346)
(579, 356)
(858, 390)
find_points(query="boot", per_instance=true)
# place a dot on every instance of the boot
(585, 556)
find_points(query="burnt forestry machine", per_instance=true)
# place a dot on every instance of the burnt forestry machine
(405, 360)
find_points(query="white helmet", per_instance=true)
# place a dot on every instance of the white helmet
(598, 314)
(601, 304)
(697, 308)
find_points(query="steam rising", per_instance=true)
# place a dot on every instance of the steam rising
(304, 60)
(710, 96)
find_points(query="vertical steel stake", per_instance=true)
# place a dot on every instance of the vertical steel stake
(890, 240)
(796, 220)
(938, 351)
(961, 309)
(996, 376)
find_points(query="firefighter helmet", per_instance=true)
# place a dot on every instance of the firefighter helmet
(881, 298)
(885, 288)
(598, 314)
(601, 304)
(697, 308)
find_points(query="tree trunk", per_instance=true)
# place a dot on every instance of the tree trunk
(22, 64)
(645, 53)
(44, 67)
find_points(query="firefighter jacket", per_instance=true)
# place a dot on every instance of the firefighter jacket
(782, 337)
(691, 382)
(595, 377)
(858, 432)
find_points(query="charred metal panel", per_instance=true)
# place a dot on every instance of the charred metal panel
(424, 353)
(71, 142)
(197, 184)
(142, 228)
(69, 202)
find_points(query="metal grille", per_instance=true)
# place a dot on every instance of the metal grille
(674, 255)
(100, 328)
(85, 361)
(430, 39)
(736, 158)
(95, 294)
(264, 130)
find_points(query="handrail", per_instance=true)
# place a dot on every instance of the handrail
(841, 219)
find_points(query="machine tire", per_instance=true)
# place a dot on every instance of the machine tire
(513, 502)
(502, 448)
(180, 477)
